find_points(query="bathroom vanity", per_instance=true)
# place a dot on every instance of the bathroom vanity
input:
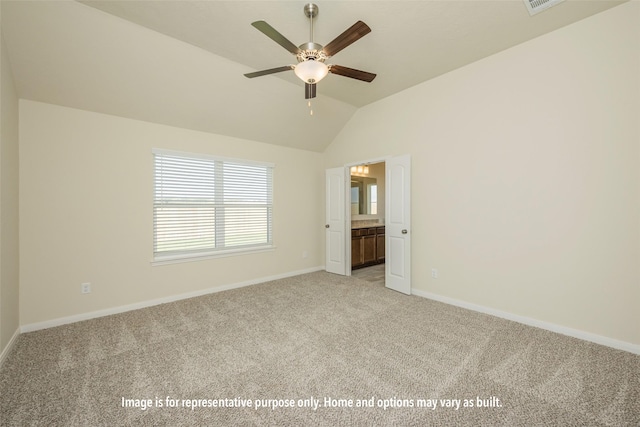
(367, 246)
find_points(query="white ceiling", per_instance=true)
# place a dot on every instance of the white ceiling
(181, 62)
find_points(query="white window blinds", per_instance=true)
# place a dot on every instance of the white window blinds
(205, 205)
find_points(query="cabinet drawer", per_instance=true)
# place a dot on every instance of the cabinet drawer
(371, 231)
(380, 230)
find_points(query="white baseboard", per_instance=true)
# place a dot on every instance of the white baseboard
(9, 346)
(143, 304)
(575, 333)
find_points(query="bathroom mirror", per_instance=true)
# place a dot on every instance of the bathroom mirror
(364, 195)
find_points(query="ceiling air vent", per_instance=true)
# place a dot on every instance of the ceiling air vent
(537, 6)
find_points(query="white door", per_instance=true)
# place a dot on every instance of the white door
(335, 259)
(398, 224)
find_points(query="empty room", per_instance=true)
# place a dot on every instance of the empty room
(329, 213)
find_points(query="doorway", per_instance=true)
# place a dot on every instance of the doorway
(397, 222)
(367, 219)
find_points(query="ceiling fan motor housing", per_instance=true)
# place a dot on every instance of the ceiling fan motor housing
(311, 52)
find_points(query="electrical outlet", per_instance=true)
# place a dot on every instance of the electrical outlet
(85, 288)
(434, 273)
(305, 254)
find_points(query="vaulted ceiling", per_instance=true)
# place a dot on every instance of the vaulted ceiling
(181, 63)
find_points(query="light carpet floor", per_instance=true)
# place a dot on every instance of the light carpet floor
(316, 335)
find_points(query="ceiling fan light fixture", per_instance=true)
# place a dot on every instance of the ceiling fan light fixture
(311, 71)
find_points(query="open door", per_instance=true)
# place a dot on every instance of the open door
(335, 237)
(398, 224)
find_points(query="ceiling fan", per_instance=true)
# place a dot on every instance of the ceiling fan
(311, 67)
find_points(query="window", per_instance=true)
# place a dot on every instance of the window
(205, 206)
(373, 199)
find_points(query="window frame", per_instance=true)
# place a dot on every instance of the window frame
(208, 253)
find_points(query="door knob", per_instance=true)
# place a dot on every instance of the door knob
(326, 226)
(404, 231)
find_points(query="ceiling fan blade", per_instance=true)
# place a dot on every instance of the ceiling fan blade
(269, 71)
(352, 73)
(351, 35)
(274, 35)
(309, 90)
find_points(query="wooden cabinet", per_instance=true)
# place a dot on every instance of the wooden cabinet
(368, 249)
(380, 244)
(356, 250)
(367, 246)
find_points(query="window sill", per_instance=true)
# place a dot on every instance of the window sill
(176, 259)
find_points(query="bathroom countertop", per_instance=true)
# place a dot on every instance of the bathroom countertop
(373, 224)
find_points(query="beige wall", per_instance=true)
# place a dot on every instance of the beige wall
(86, 212)
(525, 176)
(9, 280)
